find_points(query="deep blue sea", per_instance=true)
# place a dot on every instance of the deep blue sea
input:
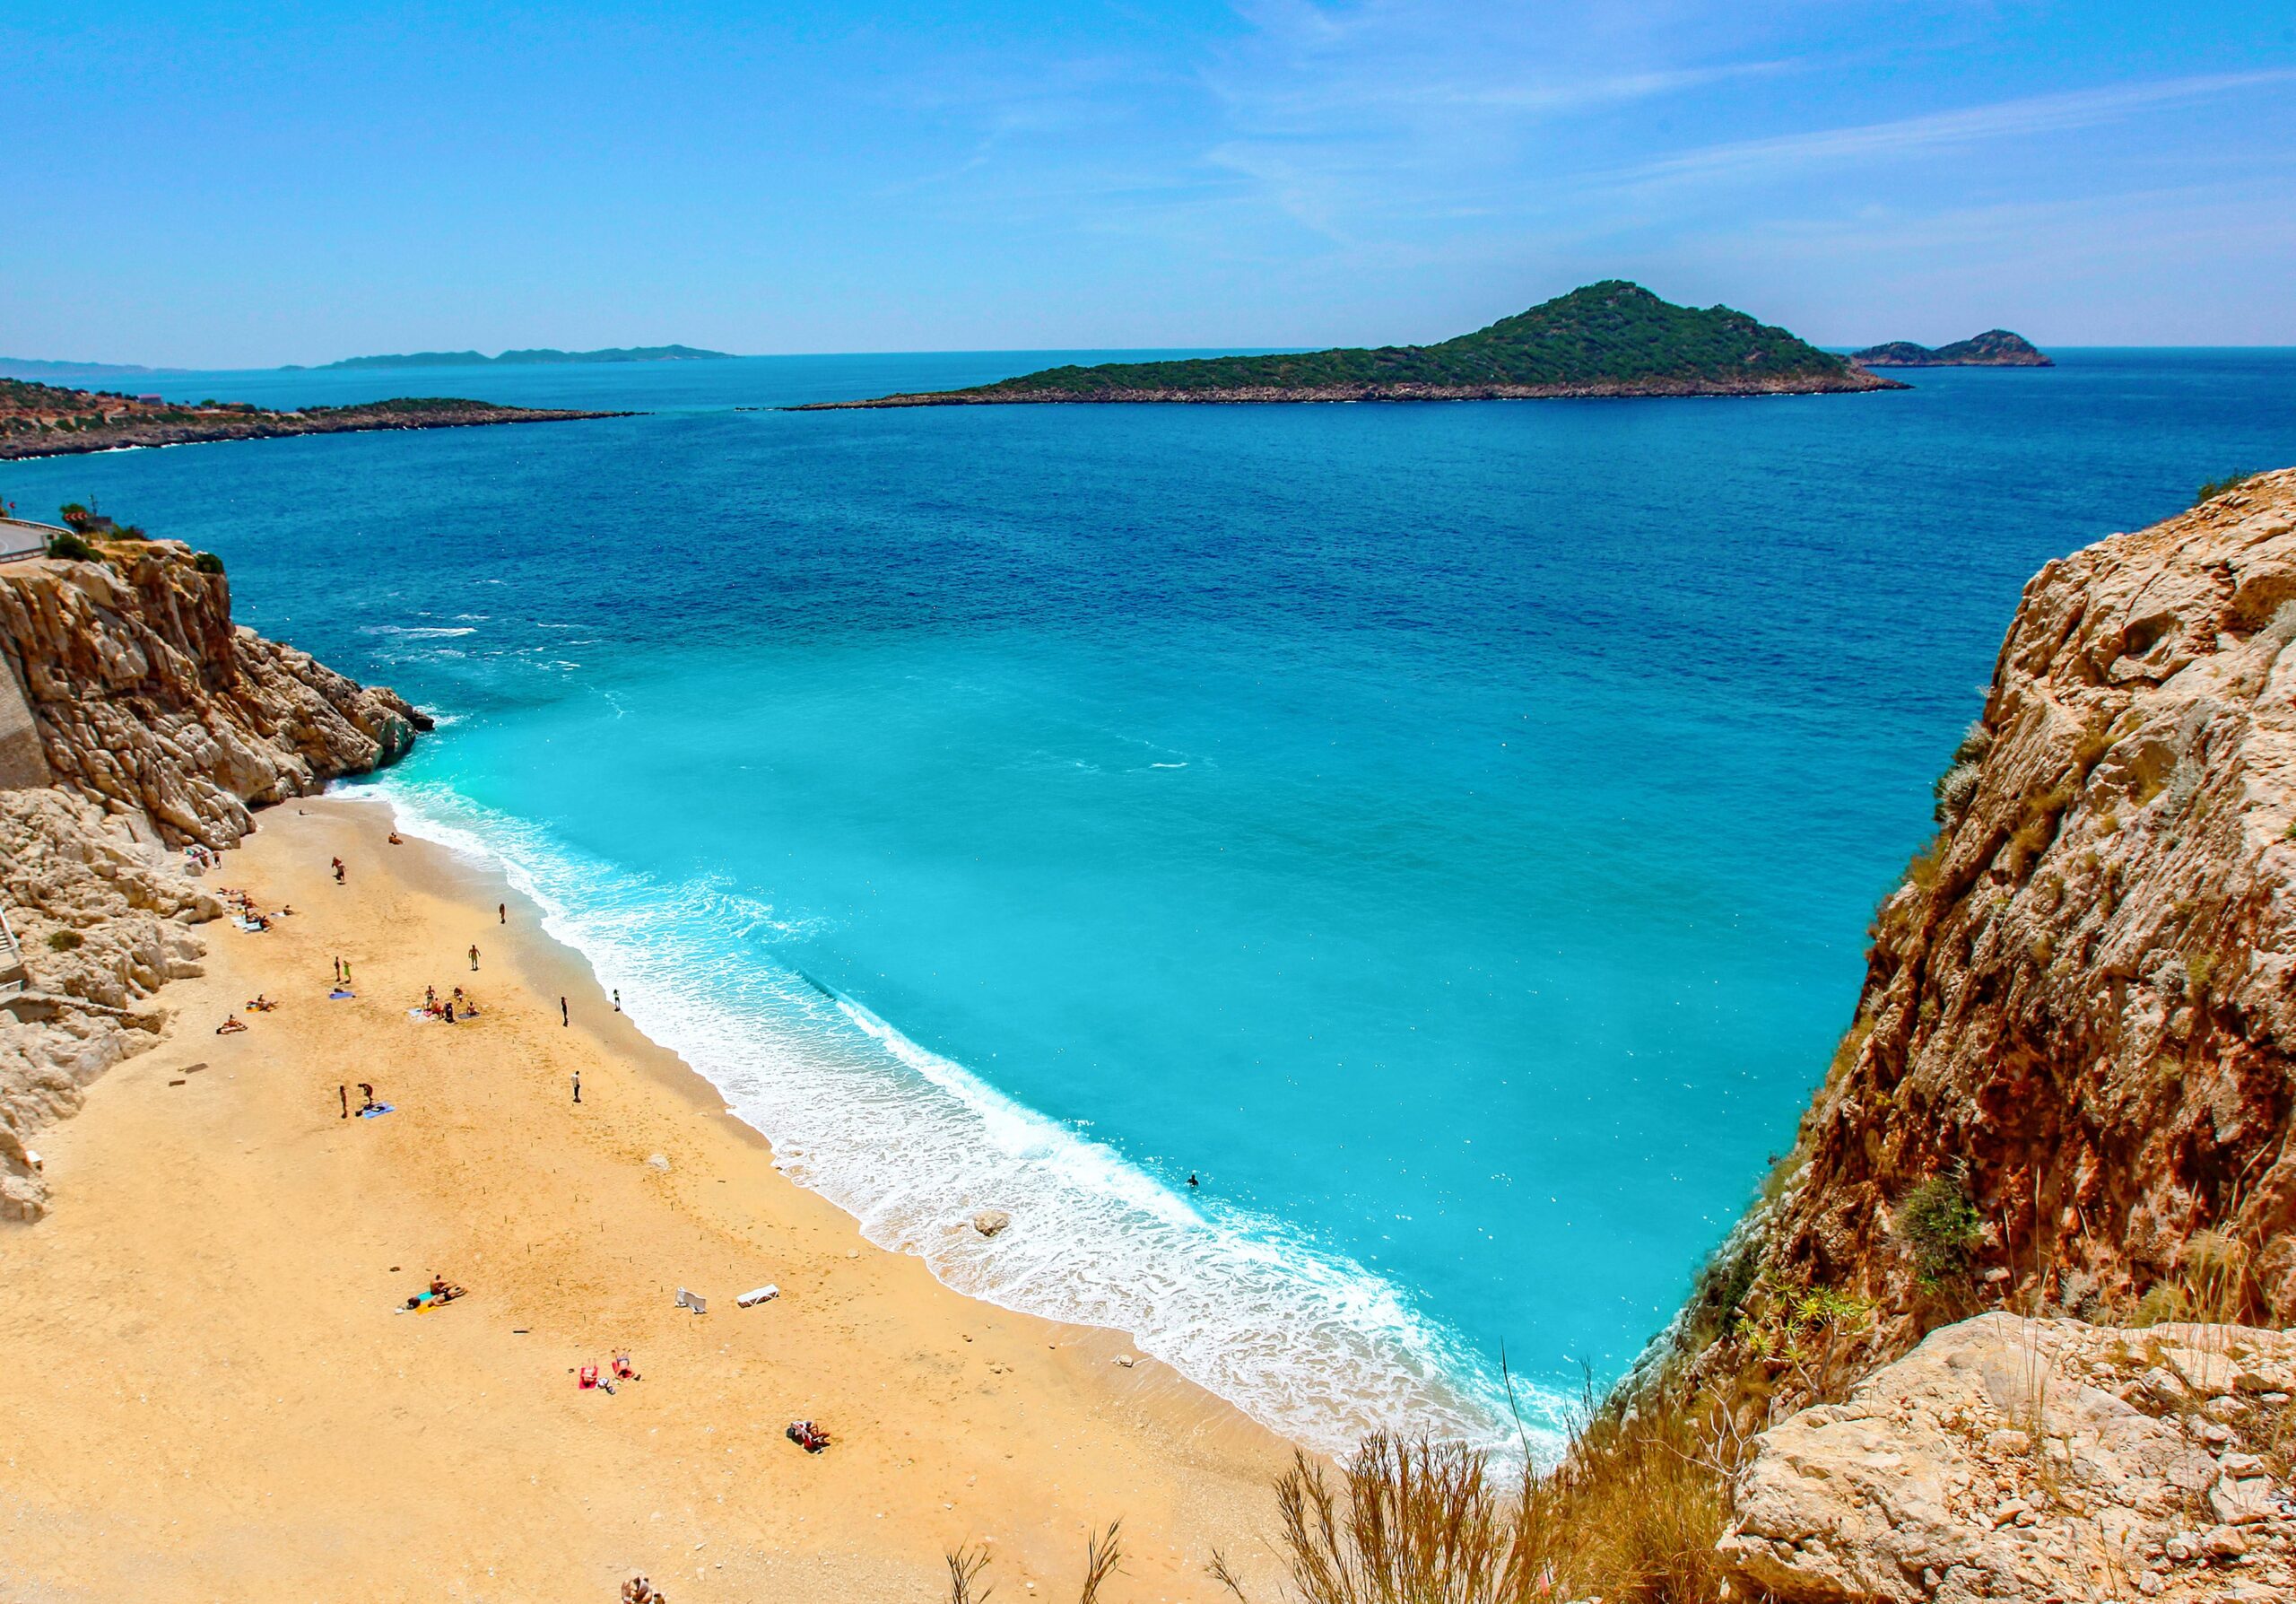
(1448, 832)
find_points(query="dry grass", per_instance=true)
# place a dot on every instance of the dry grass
(1103, 1558)
(1630, 1515)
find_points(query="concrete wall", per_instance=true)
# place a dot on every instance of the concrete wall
(23, 758)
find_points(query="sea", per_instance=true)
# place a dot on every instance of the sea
(1368, 888)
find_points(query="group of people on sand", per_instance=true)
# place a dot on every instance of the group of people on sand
(447, 1009)
(245, 914)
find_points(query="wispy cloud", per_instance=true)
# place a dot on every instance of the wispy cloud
(2003, 119)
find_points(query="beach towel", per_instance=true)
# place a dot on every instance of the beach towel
(381, 1108)
(339, 995)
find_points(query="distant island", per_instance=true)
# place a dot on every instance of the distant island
(45, 420)
(544, 357)
(1994, 348)
(28, 367)
(1612, 338)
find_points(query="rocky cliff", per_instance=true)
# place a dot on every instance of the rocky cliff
(147, 700)
(134, 717)
(2068, 1083)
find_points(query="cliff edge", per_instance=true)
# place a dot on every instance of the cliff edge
(2068, 1082)
(134, 717)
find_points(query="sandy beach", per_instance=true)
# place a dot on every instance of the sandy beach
(212, 1389)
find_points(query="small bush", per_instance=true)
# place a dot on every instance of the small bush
(1954, 790)
(1939, 1223)
(2199, 970)
(63, 941)
(71, 547)
(1928, 864)
(2212, 488)
(208, 563)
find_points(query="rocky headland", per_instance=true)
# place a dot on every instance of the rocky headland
(45, 420)
(2009, 1321)
(136, 719)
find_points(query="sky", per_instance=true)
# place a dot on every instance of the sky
(250, 183)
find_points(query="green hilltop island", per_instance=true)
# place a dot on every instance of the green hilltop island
(1612, 338)
(1994, 348)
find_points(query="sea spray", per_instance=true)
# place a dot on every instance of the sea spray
(911, 1142)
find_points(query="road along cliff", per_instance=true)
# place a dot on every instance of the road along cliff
(136, 719)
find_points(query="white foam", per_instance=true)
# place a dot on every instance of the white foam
(912, 1143)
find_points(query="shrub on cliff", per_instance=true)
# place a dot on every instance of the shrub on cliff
(71, 546)
(208, 563)
(1940, 1225)
(2212, 488)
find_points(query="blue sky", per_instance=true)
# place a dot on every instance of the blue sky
(249, 184)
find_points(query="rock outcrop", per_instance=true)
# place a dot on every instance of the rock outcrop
(149, 700)
(134, 717)
(2069, 1082)
(2014, 1459)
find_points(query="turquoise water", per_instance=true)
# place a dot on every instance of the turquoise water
(1448, 832)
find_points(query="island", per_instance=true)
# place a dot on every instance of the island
(543, 356)
(1994, 348)
(1606, 339)
(45, 419)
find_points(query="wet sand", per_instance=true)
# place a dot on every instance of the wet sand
(210, 1389)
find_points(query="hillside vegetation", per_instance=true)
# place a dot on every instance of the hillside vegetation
(1608, 338)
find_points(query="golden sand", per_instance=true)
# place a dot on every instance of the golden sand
(208, 1387)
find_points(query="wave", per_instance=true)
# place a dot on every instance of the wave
(911, 1142)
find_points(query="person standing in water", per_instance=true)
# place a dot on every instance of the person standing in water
(617, 999)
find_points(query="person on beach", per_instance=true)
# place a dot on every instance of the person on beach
(502, 913)
(577, 1086)
(564, 1017)
(617, 999)
(343, 1092)
(231, 1026)
(367, 1097)
(338, 871)
(395, 840)
(474, 957)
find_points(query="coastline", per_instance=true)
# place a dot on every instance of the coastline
(136, 433)
(218, 1318)
(1855, 382)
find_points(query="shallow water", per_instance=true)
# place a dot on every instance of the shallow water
(1445, 831)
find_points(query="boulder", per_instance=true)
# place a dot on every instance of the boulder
(2006, 1457)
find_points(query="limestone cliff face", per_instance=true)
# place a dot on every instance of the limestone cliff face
(2082, 1002)
(134, 717)
(148, 700)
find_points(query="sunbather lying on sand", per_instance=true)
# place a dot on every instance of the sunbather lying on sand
(231, 1026)
(806, 1436)
(260, 1004)
(440, 1291)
